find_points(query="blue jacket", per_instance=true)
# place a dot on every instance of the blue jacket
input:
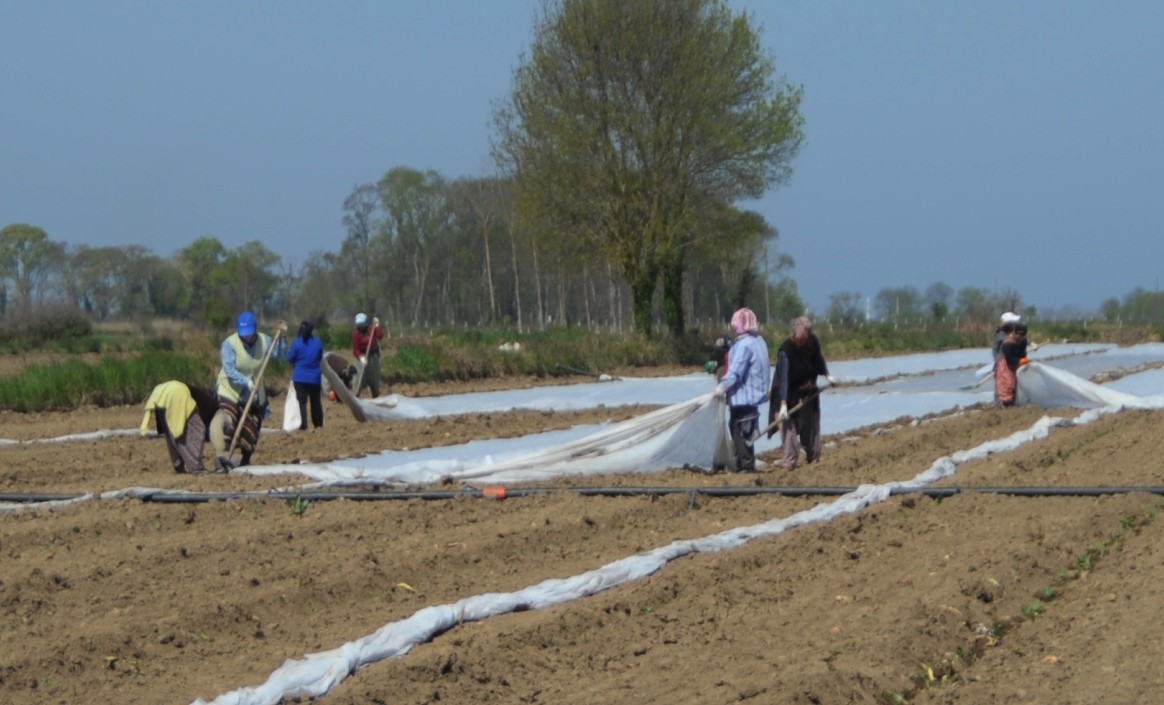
(306, 356)
(749, 373)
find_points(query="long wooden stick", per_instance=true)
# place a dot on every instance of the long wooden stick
(990, 375)
(364, 365)
(793, 410)
(577, 371)
(251, 398)
(979, 383)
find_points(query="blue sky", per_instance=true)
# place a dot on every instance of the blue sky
(991, 144)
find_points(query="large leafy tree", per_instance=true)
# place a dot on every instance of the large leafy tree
(27, 257)
(169, 293)
(91, 283)
(937, 299)
(417, 218)
(478, 207)
(845, 308)
(249, 277)
(979, 305)
(627, 116)
(900, 303)
(362, 220)
(200, 260)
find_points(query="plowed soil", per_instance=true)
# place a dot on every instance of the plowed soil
(976, 597)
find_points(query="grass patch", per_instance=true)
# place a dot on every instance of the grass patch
(112, 381)
(138, 355)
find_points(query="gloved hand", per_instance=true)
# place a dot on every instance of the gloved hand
(363, 359)
(283, 327)
(783, 415)
(720, 392)
(250, 386)
(832, 380)
(376, 322)
(1023, 361)
(709, 367)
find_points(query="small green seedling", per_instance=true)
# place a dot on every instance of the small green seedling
(298, 505)
(1033, 609)
(926, 678)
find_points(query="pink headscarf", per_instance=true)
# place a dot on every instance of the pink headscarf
(744, 321)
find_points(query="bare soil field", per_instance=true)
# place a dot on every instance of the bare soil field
(978, 597)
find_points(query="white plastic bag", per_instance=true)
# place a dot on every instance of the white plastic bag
(291, 418)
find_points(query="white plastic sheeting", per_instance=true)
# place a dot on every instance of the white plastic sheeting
(12, 507)
(613, 391)
(591, 449)
(317, 673)
(684, 432)
(1048, 387)
(907, 386)
(687, 434)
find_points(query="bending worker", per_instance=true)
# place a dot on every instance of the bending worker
(745, 386)
(1012, 354)
(798, 363)
(181, 414)
(242, 355)
(366, 347)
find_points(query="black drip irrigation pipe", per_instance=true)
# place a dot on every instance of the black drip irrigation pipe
(508, 492)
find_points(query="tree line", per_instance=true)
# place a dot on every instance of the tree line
(631, 132)
(418, 250)
(423, 252)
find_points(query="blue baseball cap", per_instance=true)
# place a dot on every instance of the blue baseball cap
(246, 324)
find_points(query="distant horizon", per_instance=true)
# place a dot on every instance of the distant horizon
(995, 145)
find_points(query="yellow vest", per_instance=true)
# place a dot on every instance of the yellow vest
(247, 365)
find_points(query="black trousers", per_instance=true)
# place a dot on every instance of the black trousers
(743, 425)
(304, 392)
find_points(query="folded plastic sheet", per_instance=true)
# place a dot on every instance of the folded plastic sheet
(317, 673)
(688, 434)
(1049, 388)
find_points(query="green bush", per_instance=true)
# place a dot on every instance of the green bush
(51, 328)
(411, 363)
(110, 382)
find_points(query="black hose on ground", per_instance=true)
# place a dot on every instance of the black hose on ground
(504, 492)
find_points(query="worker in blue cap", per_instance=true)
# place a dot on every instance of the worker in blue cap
(243, 355)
